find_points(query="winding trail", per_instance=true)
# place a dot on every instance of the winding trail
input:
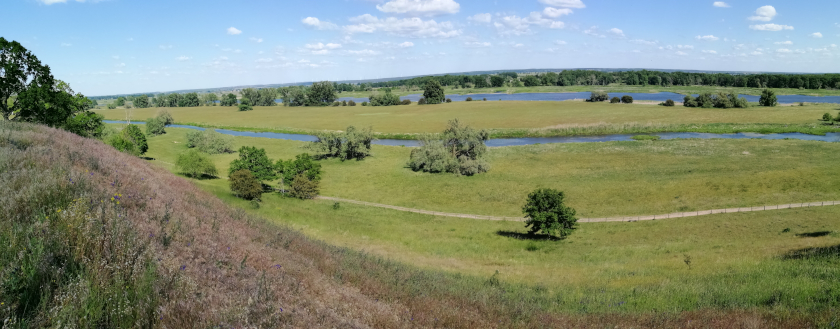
(594, 220)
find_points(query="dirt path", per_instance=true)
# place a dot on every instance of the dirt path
(595, 220)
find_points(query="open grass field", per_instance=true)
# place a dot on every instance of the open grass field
(617, 88)
(749, 261)
(601, 179)
(506, 118)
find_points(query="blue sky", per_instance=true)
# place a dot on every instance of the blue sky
(130, 46)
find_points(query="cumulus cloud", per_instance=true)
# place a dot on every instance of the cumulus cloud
(364, 52)
(764, 14)
(257, 40)
(564, 3)
(645, 42)
(593, 31)
(264, 60)
(685, 47)
(710, 52)
(481, 18)
(680, 53)
(560, 42)
(405, 27)
(720, 4)
(707, 38)
(420, 7)
(315, 23)
(515, 25)
(616, 32)
(406, 44)
(321, 46)
(554, 12)
(784, 51)
(182, 59)
(233, 31)
(784, 42)
(816, 35)
(771, 27)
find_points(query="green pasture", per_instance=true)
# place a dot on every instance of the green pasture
(740, 260)
(504, 118)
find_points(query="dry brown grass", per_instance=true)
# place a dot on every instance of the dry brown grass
(224, 268)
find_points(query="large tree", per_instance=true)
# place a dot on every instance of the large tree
(24, 79)
(256, 161)
(433, 92)
(321, 94)
(547, 213)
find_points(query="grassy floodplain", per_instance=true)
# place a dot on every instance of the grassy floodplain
(749, 260)
(504, 119)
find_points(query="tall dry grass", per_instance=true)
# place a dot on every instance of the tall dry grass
(90, 237)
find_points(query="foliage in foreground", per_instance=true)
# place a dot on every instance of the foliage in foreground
(350, 144)
(460, 150)
(547, 213)
(209, 141)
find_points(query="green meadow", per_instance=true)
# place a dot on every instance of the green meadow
(504, 119)
(755, 260)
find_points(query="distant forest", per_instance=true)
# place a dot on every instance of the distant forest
(591, 78)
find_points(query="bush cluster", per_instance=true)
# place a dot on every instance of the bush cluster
(384, 99)
(406, 102)
(459, 150)
(469, 99)
(615, 100)
(131, 140)
(598, 96)
(210, 142)
(351, 103)
(720, 100)
(422, 101)
(245, 185)
(195, 164)
(669, 102)
(157, 125)
(350, 144)
(627, 99)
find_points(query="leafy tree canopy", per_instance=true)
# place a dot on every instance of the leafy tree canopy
(256, 161)
(433, 92)
(547, 213)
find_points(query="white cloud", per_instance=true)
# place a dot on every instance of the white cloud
(315, 23)
(121, 65)
(764, 14)
(264, 60)
(707, 38)
(257, 40)
(515, 25)
(64, 44)
(784, 51)
(645, 42)
(406, 27)
(816, 35)
(617, 32)
(481, 18)
(720, 4)
(182, 59)
(321, 46)
(477, 44)
(685, 47)
(680, 53)
(593, 31)
(756, 53)
(420, 7)
(554, 12)
(560, 42)
(406, 44)
(771, 27)
(365, 52)
(784, 42)
(710, 52)
(233, 31)
(564, 3)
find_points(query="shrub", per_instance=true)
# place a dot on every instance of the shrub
(433, 92)
(336, 103)
(86, 124)
(669, 102)
(422, 101)
(627, 99)
(245, 107)
(460, 150)
(485, 99)
(304, 188)
(827, 117)
(449, 100)
(406, 102)
(547, 213)
(469, 99)
(350, 144)
(165, 117)
(615, 100)
(384, 99)
(343, 103)
(210, 142)
(244, 185)
(131, 141)
(303, 164)
(599, 96)
(154, 127)
(364, 103)
(351, 103)
(255, 161)
(689, 101)
(768, 98)
(195, 164)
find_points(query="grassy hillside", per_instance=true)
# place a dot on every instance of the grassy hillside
(507, 118)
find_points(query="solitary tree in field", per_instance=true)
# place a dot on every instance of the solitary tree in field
(321, 94)
(547, 213)
(768, 98)
(433, 92)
